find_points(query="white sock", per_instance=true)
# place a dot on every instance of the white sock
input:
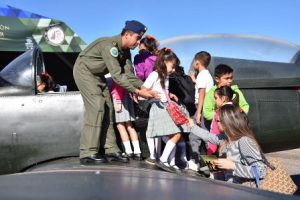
(167, 151)
(151, 147)
(171, 158)
(136, 147)
(127, 146)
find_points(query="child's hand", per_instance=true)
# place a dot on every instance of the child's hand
(193, 76)
(118, 108)
(198, 118)
(173, 96)
(190, 123)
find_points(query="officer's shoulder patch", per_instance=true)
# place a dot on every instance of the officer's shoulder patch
(114, 52)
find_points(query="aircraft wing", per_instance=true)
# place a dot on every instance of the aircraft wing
(66, 179)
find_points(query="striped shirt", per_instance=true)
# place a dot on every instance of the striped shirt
(242, 167)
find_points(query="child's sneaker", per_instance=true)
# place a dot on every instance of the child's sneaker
(150, 161)
(193, 166)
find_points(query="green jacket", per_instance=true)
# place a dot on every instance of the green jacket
(105, 55)
(209, 107)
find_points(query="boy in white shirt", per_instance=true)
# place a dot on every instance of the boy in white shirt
(204, 82)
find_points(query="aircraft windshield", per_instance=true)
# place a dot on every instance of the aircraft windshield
(231, 46)
(19, 72)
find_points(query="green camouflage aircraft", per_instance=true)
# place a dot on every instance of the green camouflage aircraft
(20, 30)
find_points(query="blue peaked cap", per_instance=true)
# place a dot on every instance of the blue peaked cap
(136, 27)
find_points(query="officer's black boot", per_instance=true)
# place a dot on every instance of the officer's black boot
(94, 159)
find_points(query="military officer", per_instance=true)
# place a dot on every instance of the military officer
(106, 55)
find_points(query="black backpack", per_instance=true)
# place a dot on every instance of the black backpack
(183, 87)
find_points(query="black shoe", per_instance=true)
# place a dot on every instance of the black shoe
(117, 157)
(164, 166)
(137, 156)
(128, 155)
(93, 160)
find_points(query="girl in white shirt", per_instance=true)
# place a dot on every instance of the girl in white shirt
(160, 123)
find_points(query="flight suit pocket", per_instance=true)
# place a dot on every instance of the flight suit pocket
(95, 110)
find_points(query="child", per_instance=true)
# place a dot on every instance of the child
(233, 122)
(223, 95)
(204, 83)
(223, 76)
(144, 61)
(45, 83)
(124, 115)
(160, 123)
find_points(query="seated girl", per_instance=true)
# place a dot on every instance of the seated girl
(237, 138)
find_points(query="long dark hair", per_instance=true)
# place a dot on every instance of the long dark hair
(235, 123)
(229, 94)
(164, 55)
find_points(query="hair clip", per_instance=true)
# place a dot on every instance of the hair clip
(227, 103)
(150, 37)
(168, 50)
(233, 96)
(241, 110)
(45, 74)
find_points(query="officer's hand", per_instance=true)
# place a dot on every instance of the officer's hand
(148, 93)
(135, 98)
(118, 108)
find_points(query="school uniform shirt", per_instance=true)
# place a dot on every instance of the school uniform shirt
(203, 80)
(153, 82)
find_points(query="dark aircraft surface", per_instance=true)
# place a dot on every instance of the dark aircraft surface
(66, 179)
(45, 127)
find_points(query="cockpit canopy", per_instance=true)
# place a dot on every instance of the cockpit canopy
(258, 62)
(236, 46)
(18, 77)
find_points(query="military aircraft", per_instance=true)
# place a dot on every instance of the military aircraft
(39, 131)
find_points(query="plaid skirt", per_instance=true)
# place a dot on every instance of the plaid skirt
(127, 113)
(160, 123)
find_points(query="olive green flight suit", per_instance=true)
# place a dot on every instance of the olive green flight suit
(101, 57)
